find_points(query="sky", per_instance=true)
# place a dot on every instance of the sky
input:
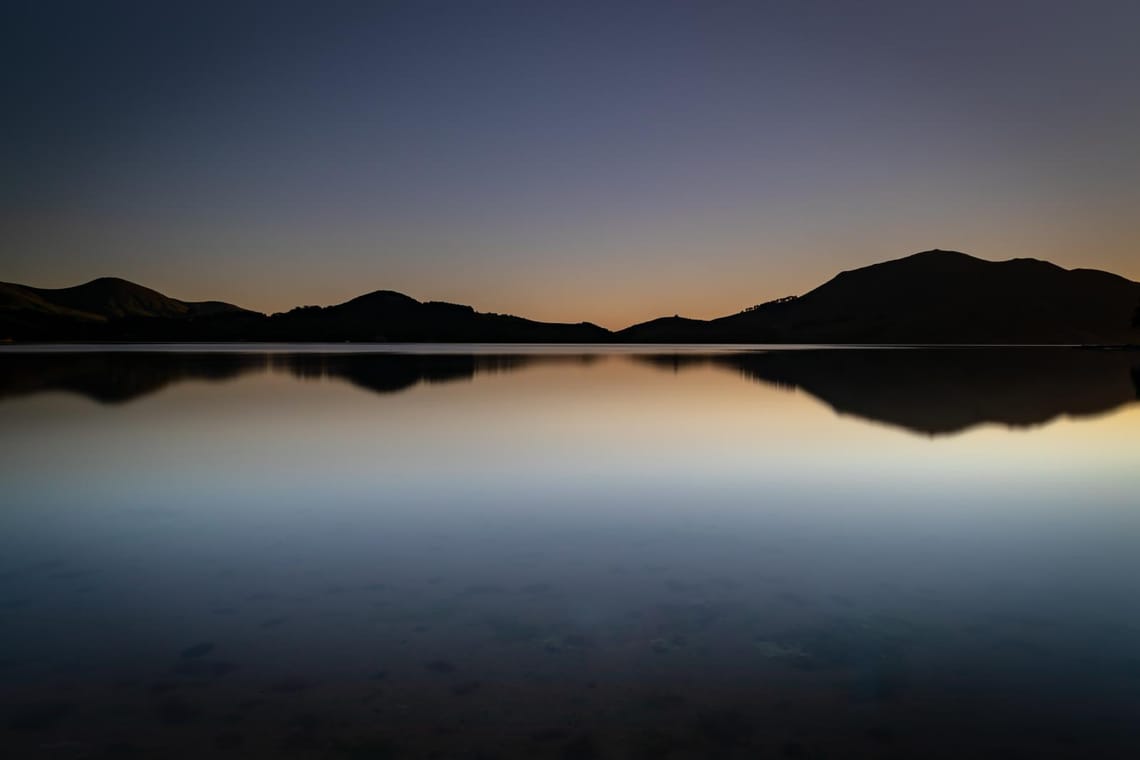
(602, 161)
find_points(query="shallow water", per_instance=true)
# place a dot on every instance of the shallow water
(329, 551)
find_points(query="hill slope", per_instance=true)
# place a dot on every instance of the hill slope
(385, 315)
(934, 297)
(107, 308)
(103, 299)
(939, 297)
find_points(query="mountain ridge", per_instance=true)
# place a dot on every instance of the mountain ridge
(105, 298)
(939, 297)
(931, 297)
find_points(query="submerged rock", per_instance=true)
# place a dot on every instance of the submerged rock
(664, 701)
(204, 669)
(776, 650)
(509, 630)
(176, 710)
(39, 716)
(583, 747)
(440, 666)
(290, 685)
(229, 740)
(198, 650)
(726, 728)
(465, 688)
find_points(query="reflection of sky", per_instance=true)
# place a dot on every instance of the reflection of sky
(608, 430)
(203, 493)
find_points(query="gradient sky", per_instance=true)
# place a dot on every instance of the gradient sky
(566, 161)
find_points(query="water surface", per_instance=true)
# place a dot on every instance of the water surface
(330, 551)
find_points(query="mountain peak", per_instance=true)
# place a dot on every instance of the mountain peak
(112, 282)
(382, 299)
(933, 256)
(935, 296)
(106, 298)
(934, 252)
(939, 296)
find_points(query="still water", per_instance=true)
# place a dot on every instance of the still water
(569, 553)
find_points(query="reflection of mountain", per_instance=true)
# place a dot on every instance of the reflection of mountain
(388, 373)
(930, 391)
(115, 377)
(936, 391)
(110, 377)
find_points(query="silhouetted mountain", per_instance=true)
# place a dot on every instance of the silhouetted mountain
(389, 316)
(679, 330)
(105, 308)
(934, 297)
(938, 391)
(104, 299)
(113, 309)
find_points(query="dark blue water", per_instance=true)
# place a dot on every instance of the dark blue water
(570, 553)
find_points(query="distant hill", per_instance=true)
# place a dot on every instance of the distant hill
(103, 299)
(679, 330)
(114, 309)
(934, 297)
(105, 308)
(386, 315)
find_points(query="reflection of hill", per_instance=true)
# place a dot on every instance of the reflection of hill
(930, 391)
(936, 391)
(677, 362)
(388, 373)
(115, 377)
(110, 377)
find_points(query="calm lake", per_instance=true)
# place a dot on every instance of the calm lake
(569, 552)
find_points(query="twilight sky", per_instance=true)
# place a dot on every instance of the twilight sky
(605, 161)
